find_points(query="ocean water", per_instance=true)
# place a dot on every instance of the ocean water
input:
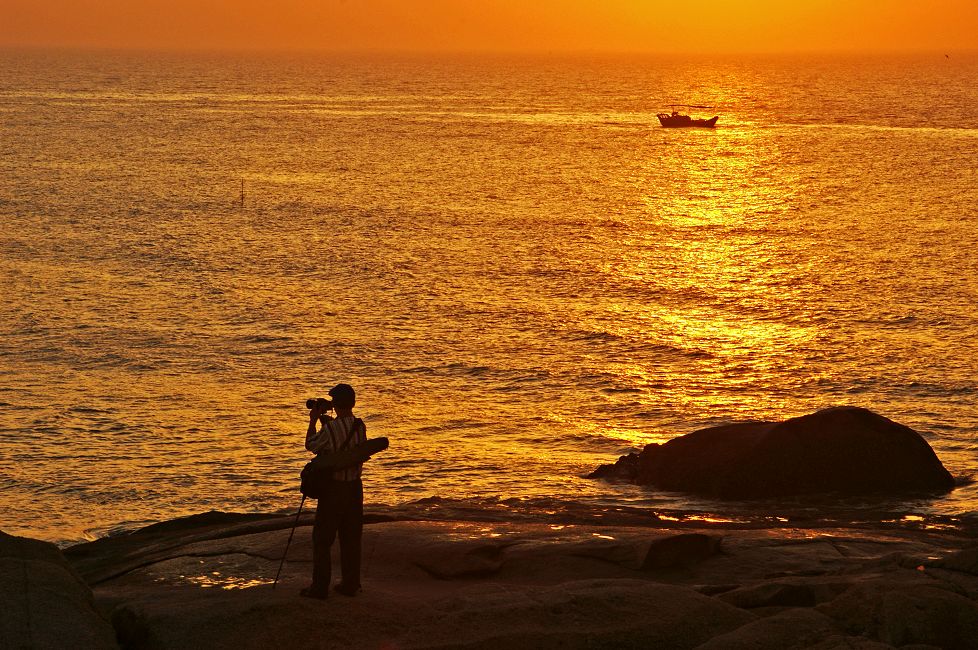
(521, 272)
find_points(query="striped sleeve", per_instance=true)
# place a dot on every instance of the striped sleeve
(333, 436)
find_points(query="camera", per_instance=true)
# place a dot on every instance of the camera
(324, 404)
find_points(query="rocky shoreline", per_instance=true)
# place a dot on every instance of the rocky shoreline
(205, 582)
(483, 580)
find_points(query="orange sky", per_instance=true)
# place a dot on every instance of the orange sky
(495, 25)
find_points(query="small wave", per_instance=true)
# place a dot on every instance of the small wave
(452, 425)
(405, 462)
(940, 390)
(579, 335)
(550, 273)
(263, 338)
(143, 367)
(894, 320)
(903, 320)
(86, 409)
(539, 375)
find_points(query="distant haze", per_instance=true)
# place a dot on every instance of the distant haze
(495, 25)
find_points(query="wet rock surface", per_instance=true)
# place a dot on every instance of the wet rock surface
(845, 450)
(205, 582)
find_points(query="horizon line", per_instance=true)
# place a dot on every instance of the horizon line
(448, 52)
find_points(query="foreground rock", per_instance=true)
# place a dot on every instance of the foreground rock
(43, 602)
(847, 450)
(903, 614)
(205, 582)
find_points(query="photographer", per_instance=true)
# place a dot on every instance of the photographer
(340, 511)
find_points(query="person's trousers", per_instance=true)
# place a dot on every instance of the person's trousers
(339, 513)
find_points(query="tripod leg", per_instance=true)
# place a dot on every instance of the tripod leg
(289, 543)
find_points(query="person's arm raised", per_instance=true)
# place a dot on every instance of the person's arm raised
(314, 439)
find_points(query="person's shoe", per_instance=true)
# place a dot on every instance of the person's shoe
(346, 590)
(318, 594)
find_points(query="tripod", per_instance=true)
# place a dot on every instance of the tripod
(289, 543)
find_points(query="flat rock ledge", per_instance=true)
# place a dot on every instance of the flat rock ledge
(205, 582)
(847, 450)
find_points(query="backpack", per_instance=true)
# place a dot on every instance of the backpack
(316, 479)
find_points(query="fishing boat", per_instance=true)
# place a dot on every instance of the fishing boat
(677, 120)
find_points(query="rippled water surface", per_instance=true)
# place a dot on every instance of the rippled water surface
(521, 272)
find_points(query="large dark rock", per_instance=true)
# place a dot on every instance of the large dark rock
(43, 602)
(846, 449)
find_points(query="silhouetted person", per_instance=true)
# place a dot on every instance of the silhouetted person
(340, 511)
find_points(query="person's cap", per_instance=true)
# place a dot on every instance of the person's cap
(343, 395)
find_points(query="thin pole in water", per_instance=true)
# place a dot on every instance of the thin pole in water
(288, 543)
(242, 192)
